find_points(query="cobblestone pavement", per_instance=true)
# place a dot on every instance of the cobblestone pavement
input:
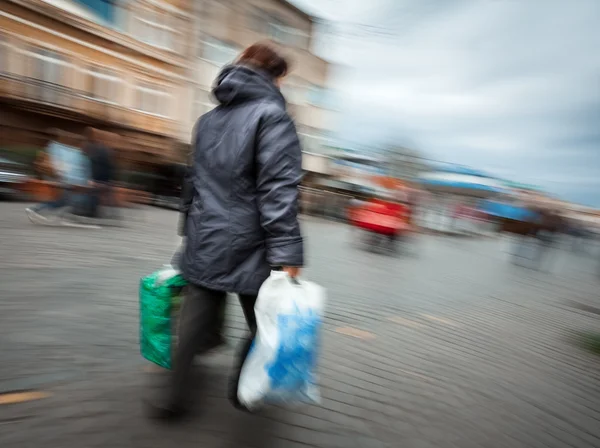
(451, 346)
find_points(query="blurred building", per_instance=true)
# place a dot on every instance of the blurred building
(405, 163)
(224, 28)
(119, 65)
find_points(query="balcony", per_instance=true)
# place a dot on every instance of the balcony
(17, 89)
(48, 98)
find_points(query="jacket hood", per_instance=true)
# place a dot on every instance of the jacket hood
(238, 84)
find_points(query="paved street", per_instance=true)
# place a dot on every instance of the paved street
(451, 346)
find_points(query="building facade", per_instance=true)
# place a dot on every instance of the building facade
(116, 65)
(143, 69)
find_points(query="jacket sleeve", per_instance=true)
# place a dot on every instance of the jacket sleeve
(187, 197)
(278, 175)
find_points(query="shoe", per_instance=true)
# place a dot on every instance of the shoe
(164, 411)
(35, 217)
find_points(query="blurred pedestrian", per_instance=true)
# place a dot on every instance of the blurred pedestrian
(43, 166)
(242, 218)
(71, 174)
(550, 227)
(102, 170)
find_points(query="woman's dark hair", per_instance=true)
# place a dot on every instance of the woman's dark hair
(264, 56)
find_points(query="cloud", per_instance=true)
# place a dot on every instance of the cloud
(506, 84)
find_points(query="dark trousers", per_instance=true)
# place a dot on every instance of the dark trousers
(200, 315)
(102, 194)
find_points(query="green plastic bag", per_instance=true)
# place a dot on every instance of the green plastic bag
(160, 300)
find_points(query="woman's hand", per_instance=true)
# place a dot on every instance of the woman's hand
(292, 271)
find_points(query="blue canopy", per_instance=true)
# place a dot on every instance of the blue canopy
(461, 185)
(508, 211)
(458, 169)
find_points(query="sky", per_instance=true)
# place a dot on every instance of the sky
(511, 87)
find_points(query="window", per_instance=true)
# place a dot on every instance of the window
(292, 93)
(153, 28)
(287, 35)
(3, 55)
(271, 25)
(297, 38)
(275, 30)
(317, 95)
(259, 22)
(103, 84)
(48, 67)
(218, 52)
(313, 140)
(152, 99)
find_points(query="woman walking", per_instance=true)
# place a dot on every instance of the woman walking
(240, 203)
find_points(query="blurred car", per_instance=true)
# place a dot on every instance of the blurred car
(12, 177)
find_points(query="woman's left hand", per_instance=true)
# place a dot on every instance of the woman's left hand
(292, 271)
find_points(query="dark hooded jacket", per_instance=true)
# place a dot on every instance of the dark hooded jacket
(242, 190)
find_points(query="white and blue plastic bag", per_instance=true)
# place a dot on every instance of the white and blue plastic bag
(281, 365)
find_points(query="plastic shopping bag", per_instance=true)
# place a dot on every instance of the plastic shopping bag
(280, 367)
(160, 299)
